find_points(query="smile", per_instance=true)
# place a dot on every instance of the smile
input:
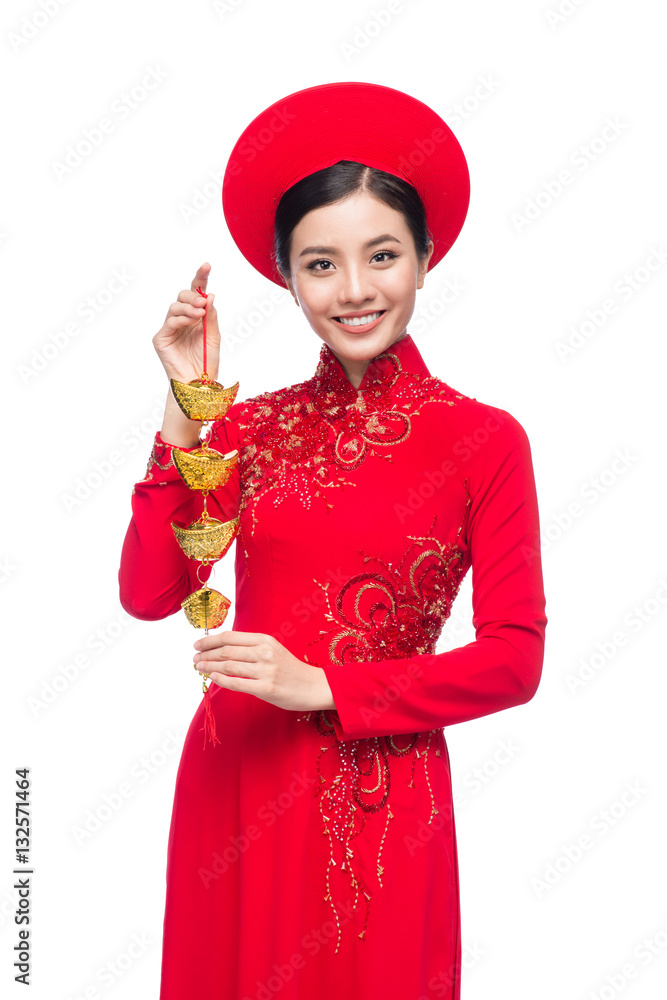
(360, 322)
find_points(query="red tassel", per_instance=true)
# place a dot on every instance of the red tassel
(209, 721)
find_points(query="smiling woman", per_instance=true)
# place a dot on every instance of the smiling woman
(360, 296)
(312, 853)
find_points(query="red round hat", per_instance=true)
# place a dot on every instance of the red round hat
(315, 128)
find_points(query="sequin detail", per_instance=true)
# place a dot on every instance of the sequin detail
(159, 452)
(389, 612)
(304, 439)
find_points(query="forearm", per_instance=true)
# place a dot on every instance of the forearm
(155, 575)
(430, 691)
(177, 429)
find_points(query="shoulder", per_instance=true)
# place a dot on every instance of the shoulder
(484, 440)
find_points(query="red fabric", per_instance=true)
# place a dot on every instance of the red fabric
(314, 854)
(314, 128)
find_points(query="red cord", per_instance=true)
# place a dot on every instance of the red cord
(204, 348)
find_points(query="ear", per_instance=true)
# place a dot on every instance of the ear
(423, 264)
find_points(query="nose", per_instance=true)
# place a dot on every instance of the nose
(356, 285)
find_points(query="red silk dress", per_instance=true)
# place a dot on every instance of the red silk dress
(313, 854)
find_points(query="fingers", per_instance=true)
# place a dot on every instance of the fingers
(232, 638)
(193, 298)
(201, 277)
(212, 658)
(192, 307)
(229, 668)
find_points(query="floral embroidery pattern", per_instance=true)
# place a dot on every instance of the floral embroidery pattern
(380, 615)
(304, 438)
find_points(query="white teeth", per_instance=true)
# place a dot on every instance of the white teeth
(359, 321)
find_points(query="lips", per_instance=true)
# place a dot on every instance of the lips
(360, 321)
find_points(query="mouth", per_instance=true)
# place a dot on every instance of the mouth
(360, 322)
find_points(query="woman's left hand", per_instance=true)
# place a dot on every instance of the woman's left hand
(260, 665)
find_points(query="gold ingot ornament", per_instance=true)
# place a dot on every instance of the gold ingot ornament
(205, 468)
(204, 399)
(206, 539)
(206, 608)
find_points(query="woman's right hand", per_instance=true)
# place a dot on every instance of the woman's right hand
(179, 343)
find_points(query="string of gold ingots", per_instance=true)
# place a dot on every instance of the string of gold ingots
(207, 539)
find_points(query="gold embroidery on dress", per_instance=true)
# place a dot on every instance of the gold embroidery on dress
(403, 613)
(304, 438)
(158, 452)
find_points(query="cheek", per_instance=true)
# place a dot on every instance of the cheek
(402, 292)
(315, 300)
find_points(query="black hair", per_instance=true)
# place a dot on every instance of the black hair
(334, 183)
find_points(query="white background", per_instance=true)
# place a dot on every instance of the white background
(529, 93)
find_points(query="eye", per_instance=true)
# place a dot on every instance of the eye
(313, 263)
(386, 255)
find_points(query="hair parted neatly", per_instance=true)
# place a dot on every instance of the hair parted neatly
(339, 181)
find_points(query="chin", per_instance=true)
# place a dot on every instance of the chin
(363, 347)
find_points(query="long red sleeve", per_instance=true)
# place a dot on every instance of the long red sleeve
(155, 575)
(502, 667)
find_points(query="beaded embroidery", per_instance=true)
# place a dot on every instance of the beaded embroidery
(304, 438)
(158, 453)
(398, 611)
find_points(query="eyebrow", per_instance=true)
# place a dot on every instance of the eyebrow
(332, 250)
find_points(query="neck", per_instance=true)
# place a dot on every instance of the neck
(356, 369)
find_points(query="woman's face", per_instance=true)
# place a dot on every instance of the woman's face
(356, 257)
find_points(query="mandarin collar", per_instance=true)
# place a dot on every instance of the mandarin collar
(387, 374)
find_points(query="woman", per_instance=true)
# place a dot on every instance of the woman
(313, 852)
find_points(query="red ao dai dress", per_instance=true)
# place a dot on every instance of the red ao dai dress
(313, 854)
